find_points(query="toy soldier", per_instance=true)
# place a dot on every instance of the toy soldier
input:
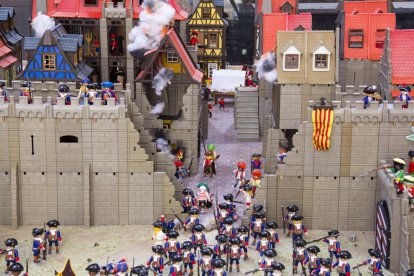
(156, 261)
(266, 262)
(179, 173)
(208, 165)
(374, 261)
(221, 103)
(240, 174)
(91, 93)
(158, 236)
(324, 269)
(120, 268)
(139, 270)
(292, 209)
(221, 246)
(172, 246)
(93, 270)
(2, 91)
(256, 162)
(83, 89)
(37, 244)
(313, 260)
(263, 244)
(218, 265)
(64, 92)
(334, 246)
(11, 255)
(176, 269)
(188, 200)
(274, 236)
(25, 91)
(235, 253)
(228, 199)
(16, 269)
(205, 261)
(371, 95)
(277, 269)
(188, 257)
(203, 196)
(300, 255)
(53, 235)
(404, 95)
(257, 209)
(194, 39)
(342, 266)
(257, 226)
(198, 238)
(411, 164)
(228, 228)
(192, 218)
(256, 180)
(222, 213)
(247, 190)
(398, 170)
(409, 186)
(297, 228)
(244, 239)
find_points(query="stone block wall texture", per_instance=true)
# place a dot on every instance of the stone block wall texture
(358, 72)
(326, 184)
(104, 178)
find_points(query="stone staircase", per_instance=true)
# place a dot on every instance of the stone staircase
(247, 114)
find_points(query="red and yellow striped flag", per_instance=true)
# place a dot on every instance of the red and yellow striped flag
(322, 120)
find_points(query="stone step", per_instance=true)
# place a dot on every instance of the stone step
(247, 131)
(247, 104)
(245, 125)
(241, 109)
(247, 113)
(248, 139)
(248, 119)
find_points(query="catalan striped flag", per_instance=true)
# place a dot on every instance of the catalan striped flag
(322, 119)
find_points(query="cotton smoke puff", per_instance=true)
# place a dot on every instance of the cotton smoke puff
(162, 79)
(266, 67)
(41, 24)
(152, 26)
(162, 145)
(158, 108)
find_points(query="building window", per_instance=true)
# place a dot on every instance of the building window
(321, 59)
(172, 57)
(211, 68)
(380, 38)
(91, 2)
(286, 8)
(68, 139)
(212, 40)
(291, 59)
(49, 62)
(205, 13)
(356, 39)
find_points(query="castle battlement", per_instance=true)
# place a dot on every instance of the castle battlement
(41, 109)
(354, 112)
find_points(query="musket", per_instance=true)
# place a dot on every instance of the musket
(179, 219)
(357, 266)
(382, 167)
(198, 262)
(44, 252)
(215, 219)
(283, 219)
(155, 272)
(228, 254)
(257, 270)
(318, 240)
(106, 267)
(27, 267)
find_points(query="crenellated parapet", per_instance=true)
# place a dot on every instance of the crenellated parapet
(40, 109)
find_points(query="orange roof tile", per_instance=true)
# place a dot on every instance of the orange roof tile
(77, 9)
(370, 24)
(396, 93)
(365, 6)
(402, 62)
(5, 62)
(275, 22)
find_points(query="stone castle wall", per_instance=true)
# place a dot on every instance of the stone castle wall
(104, 178)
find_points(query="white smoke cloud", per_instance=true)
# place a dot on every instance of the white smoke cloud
(266, 67)
(151, 27)
(41, 23)
(158, 108)
(161, 80)
(162, 145)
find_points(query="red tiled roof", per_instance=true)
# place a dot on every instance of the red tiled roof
(180, 13)
(77, 9)
(182, 52)
(369, 23)
(402, 62)
(275, 22)
(5, 62)
(365, 6)
(396, 93)
(4, 49)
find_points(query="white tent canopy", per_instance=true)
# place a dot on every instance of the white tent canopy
(226, 80)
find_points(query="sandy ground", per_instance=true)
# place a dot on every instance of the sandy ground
(84, 246)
